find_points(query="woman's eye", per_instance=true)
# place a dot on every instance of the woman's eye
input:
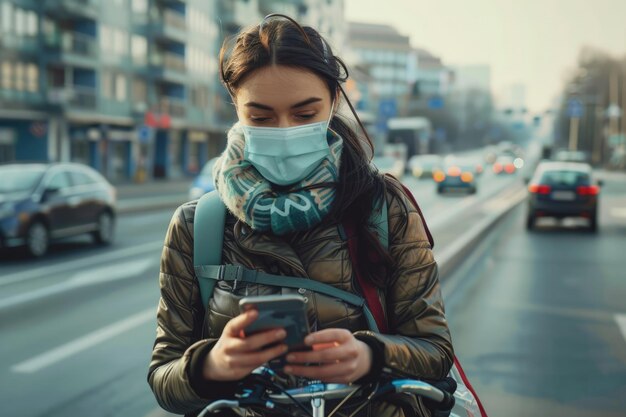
(306, 116)
(259, 119)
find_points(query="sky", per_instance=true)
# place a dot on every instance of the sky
(532, 42)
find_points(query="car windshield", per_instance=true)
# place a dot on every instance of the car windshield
(19, 178)
(565, 178)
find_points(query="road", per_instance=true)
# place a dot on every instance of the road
(78, 326)
(539, 319)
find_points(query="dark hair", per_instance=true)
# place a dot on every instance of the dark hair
(280, 40)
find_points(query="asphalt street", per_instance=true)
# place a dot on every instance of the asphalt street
(77, 327)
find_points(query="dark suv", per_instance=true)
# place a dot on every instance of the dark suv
(40, 202)
(563, 189)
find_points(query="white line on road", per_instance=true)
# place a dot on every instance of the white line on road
(46, 271)
(620, 319)
(62, 352)
(83, 279)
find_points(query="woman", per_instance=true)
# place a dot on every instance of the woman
(292, 172)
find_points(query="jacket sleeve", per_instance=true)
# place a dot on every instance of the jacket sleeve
(179, 320)
(419, 342)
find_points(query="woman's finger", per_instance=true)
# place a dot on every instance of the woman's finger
(328, 336)
(235, 326)
(254, 360)
(255, 342)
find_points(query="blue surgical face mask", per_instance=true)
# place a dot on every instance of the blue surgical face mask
(286, 155)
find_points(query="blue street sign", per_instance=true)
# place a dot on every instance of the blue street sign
(574, 108)
(388, 108)
(144, 134)
(435, 102)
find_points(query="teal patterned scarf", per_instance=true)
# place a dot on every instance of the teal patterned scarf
(263, 206)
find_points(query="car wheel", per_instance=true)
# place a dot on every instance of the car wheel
(106, 227)
(37, 239)
(530, 222)
(439, 190)
(473, 190)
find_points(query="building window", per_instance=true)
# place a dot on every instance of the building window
(32, 78)
(31, 24)
(140, 91)
(7, 17)
(120, 87)
(7, 75)
(140, 6)
(106, 84)
(139, 49)
(19, 76)
(113, 40)
(200, 96)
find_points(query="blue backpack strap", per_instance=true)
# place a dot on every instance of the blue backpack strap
(235, 273)
(208, 232)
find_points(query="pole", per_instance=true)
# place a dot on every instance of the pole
(614, 100)
(573, 133)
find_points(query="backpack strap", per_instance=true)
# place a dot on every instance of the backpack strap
(208, 238)
(236, 273)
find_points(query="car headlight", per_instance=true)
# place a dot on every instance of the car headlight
(7, 210)
(196, 192)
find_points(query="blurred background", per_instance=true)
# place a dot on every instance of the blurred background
(507, 121)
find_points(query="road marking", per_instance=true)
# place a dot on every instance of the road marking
(618, 212)
(76, 346)
(46, 271)
(83, 279)
(620, 319)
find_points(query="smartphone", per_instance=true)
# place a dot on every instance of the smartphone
(279, 311)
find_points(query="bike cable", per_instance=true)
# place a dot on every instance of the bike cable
(367, 400)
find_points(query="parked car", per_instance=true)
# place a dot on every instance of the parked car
(563, 189)
(389, 165)
(457, 175)
(40, 202)
(423, 166)
(204, 181)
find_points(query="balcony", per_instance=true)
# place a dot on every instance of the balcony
(174, 107)
(72, 9)
(169, 67)
(13, 99)
(73, 97)
(169, 26)
(24, 44)
(72, 47)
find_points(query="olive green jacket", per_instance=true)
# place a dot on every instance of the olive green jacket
(418, 342)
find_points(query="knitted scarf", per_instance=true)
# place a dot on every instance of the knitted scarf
(269, 208)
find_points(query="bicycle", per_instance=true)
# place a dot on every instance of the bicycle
(261, 390)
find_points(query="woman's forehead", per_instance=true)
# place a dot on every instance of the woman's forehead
(279, 86)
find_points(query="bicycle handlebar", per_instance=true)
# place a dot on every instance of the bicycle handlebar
(335, 391)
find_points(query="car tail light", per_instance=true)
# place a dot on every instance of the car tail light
(588, 190)
(439, 176)
(497, 168)
(510, 168)
(467, 177)
(539, 189)
(454, 171)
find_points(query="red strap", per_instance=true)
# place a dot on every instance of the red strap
(483, 413)
(369, 289)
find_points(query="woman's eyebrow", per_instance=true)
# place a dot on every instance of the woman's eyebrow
(299, 104)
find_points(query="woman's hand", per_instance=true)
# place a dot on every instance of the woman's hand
(338, 357)
(234, 356)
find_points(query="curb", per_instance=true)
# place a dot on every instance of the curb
(451, 257)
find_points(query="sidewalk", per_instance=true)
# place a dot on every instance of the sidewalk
(152, 195)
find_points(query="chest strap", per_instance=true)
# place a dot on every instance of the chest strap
(236, 273)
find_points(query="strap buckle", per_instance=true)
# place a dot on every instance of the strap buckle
(230, 273)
